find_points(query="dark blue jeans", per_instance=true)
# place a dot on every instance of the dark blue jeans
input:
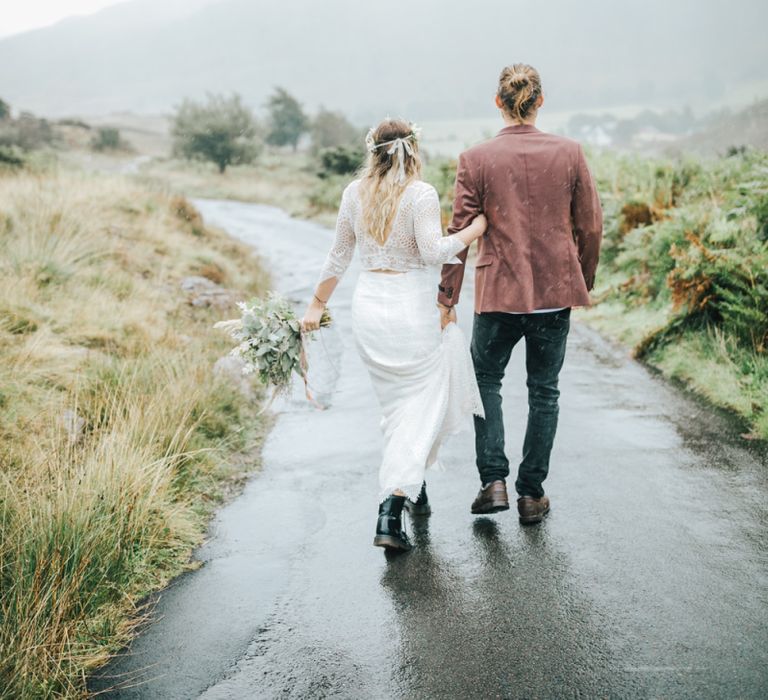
(493, 337)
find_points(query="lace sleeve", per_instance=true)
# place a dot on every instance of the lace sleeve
(343, 248)
(435, 248)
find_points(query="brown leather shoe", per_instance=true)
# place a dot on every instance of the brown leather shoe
(491, 499)
(532, 510)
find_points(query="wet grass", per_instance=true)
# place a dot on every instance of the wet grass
(116, 438)
(719, 369)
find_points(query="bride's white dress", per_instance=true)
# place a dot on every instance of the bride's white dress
(423, 377)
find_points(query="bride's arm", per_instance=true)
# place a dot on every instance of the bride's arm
(314, 312)
(433, 246)
(335, 265)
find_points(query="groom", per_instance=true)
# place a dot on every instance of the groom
(536, 261)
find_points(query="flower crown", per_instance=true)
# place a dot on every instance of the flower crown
(397, 147)
(371, 144)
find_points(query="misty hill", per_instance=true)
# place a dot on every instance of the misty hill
(425, 59)
(748, 127)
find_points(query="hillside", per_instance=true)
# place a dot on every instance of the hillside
(420, 59)
(747, 127)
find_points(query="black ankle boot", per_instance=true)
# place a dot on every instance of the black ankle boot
(421, 505)
(389, 528)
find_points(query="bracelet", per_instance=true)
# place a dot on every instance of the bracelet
(319, 299)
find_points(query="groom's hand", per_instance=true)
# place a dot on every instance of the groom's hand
(447, 315)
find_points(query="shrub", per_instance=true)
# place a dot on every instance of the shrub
(690, 289)
(11, 156)
(107, 138)
(635, 214)
(723, 288)
(340, 160)
(703, 255)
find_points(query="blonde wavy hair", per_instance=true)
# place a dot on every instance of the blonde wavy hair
(380, 185)
(519, 88)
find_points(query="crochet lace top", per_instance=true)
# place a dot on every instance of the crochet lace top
(415, 240)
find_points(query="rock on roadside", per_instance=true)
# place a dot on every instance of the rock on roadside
(203, 292)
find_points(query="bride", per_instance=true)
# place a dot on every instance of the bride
(422, 376)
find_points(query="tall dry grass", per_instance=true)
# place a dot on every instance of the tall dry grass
(114, 432)
(288, 181)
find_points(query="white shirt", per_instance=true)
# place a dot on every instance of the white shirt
(538, 311)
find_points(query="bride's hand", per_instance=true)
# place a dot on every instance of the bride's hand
(447, 315)
(481, 222)
(312, 316)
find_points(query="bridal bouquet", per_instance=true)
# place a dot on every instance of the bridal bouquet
(270, 341)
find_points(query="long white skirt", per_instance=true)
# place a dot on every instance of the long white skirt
(423, 376)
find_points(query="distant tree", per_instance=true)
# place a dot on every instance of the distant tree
(332, 129)
(5, 110)
(33, 131)
(107, 138)
(286, 121)
(222, 130)
(27, 132)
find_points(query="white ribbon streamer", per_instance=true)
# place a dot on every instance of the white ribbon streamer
(398, 147)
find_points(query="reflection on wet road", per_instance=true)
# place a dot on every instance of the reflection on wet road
(649, 579)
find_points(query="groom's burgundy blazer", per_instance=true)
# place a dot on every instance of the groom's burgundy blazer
(544, 223)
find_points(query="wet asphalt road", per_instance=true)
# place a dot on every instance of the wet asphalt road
(649, 579)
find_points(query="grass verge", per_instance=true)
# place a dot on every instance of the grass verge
(116, 437)
(683, 278)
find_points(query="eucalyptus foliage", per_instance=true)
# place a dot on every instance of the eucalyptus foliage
(271, 341)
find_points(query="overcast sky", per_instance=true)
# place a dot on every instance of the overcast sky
(596, 54)
(21, 16)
